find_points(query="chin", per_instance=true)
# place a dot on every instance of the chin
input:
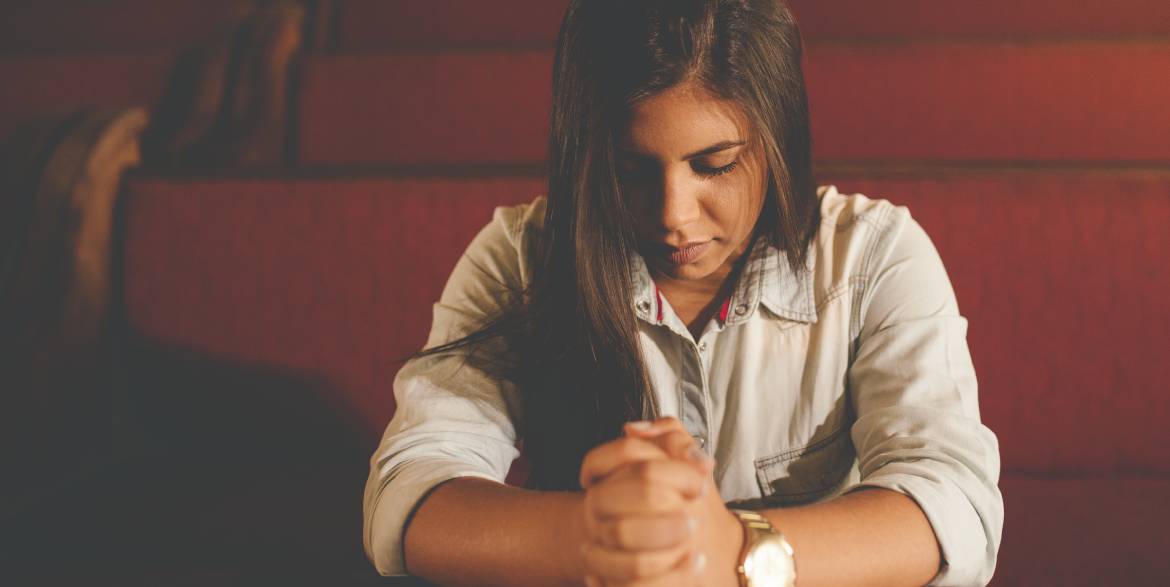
(690, 271)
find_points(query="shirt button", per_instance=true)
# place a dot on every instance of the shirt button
(741, 309)
(703, 346)
(701, 441)
(644, 306)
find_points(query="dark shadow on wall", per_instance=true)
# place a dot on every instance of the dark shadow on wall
(222, 472)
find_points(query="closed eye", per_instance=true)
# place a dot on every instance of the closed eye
(714, 171)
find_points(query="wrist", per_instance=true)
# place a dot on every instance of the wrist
(728, 547)
(575, 531)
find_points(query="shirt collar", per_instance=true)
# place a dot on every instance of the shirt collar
(784, 292)
(767, 279)
(645, 297)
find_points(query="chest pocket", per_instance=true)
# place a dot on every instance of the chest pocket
(806, 474)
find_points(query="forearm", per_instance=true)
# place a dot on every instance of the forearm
(472, 531)
(871, 537)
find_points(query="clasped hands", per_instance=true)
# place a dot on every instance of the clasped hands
(653, 515)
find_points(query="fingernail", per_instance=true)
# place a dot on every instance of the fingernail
(700, 562)
(692, 525)
(640, 425)
(592, 581)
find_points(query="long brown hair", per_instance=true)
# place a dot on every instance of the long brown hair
(572, 337)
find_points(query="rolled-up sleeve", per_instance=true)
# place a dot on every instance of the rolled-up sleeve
(918, 429)
(453, 419)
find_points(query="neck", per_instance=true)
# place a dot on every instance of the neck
(695, 301)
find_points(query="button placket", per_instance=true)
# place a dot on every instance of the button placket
(694, 405)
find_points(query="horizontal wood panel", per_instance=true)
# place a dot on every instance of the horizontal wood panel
(47, 85)
(110, 25)
(932, 102)
(379, 24)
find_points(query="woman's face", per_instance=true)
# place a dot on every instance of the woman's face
(695, 180)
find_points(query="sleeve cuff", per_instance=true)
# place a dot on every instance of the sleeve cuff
(968, 540)
(388, 510)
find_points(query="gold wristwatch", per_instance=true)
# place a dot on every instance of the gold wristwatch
(767, 559)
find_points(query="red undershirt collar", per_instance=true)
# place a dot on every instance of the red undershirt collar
(722, 309)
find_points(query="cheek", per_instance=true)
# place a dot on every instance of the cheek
(736, 207)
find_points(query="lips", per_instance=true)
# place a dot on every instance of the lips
(687, 254)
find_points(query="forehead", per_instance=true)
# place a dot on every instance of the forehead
(684, 119)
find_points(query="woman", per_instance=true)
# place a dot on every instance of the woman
(686, 329)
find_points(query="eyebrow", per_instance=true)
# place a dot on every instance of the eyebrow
(723, 146)
(717, 147)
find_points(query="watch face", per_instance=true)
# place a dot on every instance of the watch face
(770, 564)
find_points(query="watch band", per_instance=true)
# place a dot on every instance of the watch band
(754, 521)
(756, 529)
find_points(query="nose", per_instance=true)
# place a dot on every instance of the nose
(680, 202)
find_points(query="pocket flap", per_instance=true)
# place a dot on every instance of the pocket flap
(805, 474)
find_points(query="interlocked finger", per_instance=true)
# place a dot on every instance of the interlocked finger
(617, 567)
(643, 532)
(606, 459)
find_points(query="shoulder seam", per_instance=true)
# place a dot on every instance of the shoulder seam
(882, 221)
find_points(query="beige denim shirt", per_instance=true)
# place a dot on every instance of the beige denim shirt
(854, 372)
